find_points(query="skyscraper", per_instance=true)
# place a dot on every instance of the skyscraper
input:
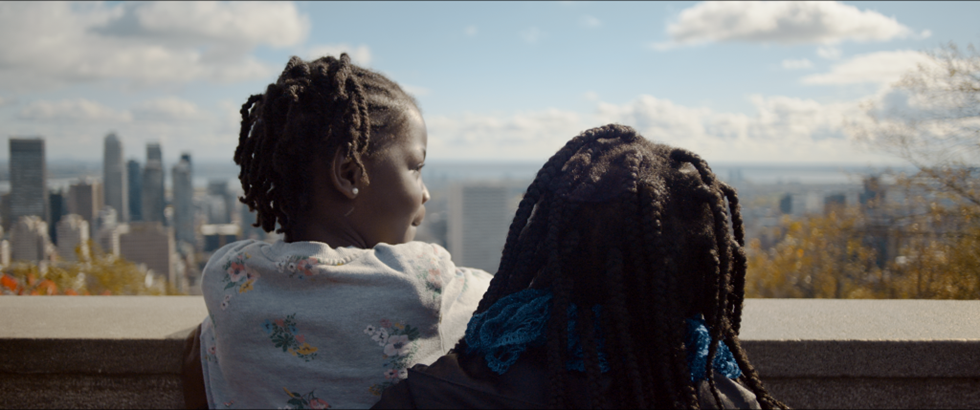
(183, 191)
(28, 179)
(29, 239)
(153, 199)
(151, 244)
(114, 177)
(134, 173)
(85, 199)
(73, 231)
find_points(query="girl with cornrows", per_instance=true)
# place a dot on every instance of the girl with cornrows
(338, 310)
(620, 286)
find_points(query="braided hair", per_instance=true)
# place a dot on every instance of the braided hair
(642, 229)
(311, 111)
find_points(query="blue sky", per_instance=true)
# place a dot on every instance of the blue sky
(497, 81)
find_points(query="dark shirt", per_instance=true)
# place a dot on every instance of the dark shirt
(468, 383)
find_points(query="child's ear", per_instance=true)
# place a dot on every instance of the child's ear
(345, 174)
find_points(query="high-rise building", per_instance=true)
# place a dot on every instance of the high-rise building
(478, 224)
(153, 199)
(73, 234)
(58, 201)
(28, 179)
(153, 151)
(115, 183)
(151, 244)
(85, 199)
(29, 239)
(219, 202)
(183, 191)
(134, 173)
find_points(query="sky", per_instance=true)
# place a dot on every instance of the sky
(772, 83)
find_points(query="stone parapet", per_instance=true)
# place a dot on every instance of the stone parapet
(126, 351)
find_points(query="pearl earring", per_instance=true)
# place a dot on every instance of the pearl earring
(355, 191)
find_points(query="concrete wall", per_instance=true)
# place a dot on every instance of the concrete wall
(125, 351)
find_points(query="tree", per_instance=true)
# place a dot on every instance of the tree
(931, 118)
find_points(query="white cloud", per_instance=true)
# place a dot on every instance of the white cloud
(781, 129)
(591, 96)
(883, 67)
(43, 44)
(360, 55)
(168, 109)
(591, 22)
(829, 52)
(71, 111)
(797, 64)
(532, 35)
(780, 22)
(470, 30)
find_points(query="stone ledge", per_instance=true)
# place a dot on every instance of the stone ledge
(126, 351)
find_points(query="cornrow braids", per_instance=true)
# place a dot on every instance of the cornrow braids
(311, 111)
(615, 220)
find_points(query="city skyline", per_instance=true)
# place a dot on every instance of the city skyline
(736, 83)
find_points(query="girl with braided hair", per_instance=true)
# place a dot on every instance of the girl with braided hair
(337, 311)
(620, 285)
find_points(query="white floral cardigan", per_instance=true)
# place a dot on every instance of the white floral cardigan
(303, 325)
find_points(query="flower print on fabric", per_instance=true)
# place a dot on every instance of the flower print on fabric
(238, 276)
(305, 401)
(304, 266)
(399, 344)
(283, 333)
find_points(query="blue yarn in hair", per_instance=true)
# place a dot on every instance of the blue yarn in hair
(519, 320)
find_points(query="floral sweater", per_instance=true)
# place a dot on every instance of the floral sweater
(303, 325)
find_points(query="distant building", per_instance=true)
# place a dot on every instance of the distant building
(151, 244)
(29, 239)
(134, 175)
(85, 199)
(153, 197)
(183, 191)
(58, 202)
(219, 202)
(107, 231)
(28, 179)
(114, 177)
(73, 231)
(478, 224)
(834, 203)
(216, 236)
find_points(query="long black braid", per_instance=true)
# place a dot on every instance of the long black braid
(643, 230)
(311, 111)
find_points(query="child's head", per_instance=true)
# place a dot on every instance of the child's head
(335, 146)
(641, 229)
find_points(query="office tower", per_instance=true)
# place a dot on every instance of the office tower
(115, 183)
(58, 202)
(153, 199)
(85, 199)
(183, 191)
(73, 232)
(216, 236)
(107, 231)
(28, 179)
(153, 151)
(151, 244)
(219, 202)
(29, 239)
(134, 174)
(478, 223)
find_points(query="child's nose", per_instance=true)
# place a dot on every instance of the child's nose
(425, 193)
